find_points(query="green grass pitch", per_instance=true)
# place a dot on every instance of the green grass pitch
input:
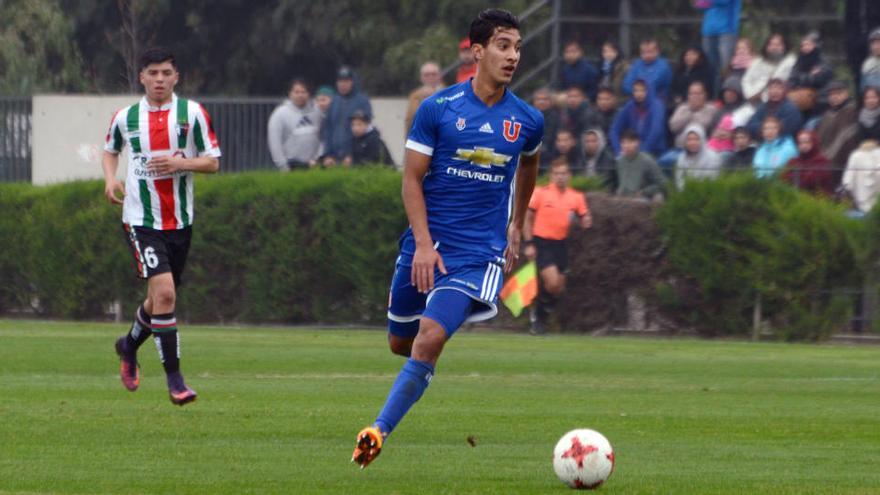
(278, 411)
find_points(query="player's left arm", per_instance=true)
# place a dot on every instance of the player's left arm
(526, 175)
(205, 141)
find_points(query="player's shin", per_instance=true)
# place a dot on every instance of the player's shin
(140, 331)
(414, 378)
(168, 345)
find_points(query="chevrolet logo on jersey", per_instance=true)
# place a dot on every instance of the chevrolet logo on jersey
(482, 157)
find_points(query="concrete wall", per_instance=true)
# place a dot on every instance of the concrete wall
(69, 132)
(68, 136)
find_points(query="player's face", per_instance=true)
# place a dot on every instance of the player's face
(692, 143)
(560, 176)
(159, 81)
(500, 57)
(299, 95)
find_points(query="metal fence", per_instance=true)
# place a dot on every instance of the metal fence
(15, 138)
(240, 124)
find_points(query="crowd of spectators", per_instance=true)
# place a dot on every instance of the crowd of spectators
(717, 107)
(721, 107)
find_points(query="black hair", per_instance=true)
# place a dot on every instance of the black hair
(156, 55)
(563, 130)
(767, 42)
(630, 135)
(560, 161)
(742, 130)
(301, 82)
(701, 83)
(603, 88)
(572, 42)
(649, 40)
(575, 86)
(487, 22)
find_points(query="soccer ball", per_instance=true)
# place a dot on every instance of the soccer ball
(583, 459)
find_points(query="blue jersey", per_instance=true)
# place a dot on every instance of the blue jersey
(474, 152)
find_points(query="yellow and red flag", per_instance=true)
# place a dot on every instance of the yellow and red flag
(521, 289)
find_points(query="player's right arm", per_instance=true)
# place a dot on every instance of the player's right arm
(426, 257)
(114, 190)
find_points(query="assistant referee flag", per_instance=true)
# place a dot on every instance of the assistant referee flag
(521, 289)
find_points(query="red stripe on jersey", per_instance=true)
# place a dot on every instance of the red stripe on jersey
(165, 188)
(159, 131)
(211, 136)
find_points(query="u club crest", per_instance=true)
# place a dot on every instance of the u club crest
(459, 124)
(511, 130)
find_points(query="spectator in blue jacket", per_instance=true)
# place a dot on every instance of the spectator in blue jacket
(775, 151)
(645, 114)
(577, 71)
(337, 124)
(720, 29)
(651, 68)
(777, 105)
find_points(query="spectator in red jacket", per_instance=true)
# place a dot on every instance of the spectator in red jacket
(810, 171)
(468, 67)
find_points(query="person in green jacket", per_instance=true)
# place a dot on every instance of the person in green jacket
(638, 174)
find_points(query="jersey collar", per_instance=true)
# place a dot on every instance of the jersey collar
(469, 91)
(168, 106)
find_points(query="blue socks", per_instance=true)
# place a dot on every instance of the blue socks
(411, 383)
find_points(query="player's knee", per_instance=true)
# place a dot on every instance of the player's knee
(400, 347)
(429, 343)
(164, 298)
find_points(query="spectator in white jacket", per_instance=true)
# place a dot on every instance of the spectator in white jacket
(862, 176)
(775, 63)
(294, 130)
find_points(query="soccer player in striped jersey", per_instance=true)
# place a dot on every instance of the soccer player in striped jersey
(168, 139)
(470, 167)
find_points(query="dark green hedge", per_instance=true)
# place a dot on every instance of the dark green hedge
(319, 246)
(740, 237)
(305, 246)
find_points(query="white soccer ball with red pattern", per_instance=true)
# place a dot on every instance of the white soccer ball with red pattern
(583, 459)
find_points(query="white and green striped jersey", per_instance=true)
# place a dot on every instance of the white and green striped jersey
(181, 128)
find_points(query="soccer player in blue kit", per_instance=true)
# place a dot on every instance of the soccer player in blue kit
(471, 162)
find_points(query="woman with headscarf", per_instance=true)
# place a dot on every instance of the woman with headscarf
(810, 171)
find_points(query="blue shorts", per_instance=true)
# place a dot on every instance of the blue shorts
(467, 293)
